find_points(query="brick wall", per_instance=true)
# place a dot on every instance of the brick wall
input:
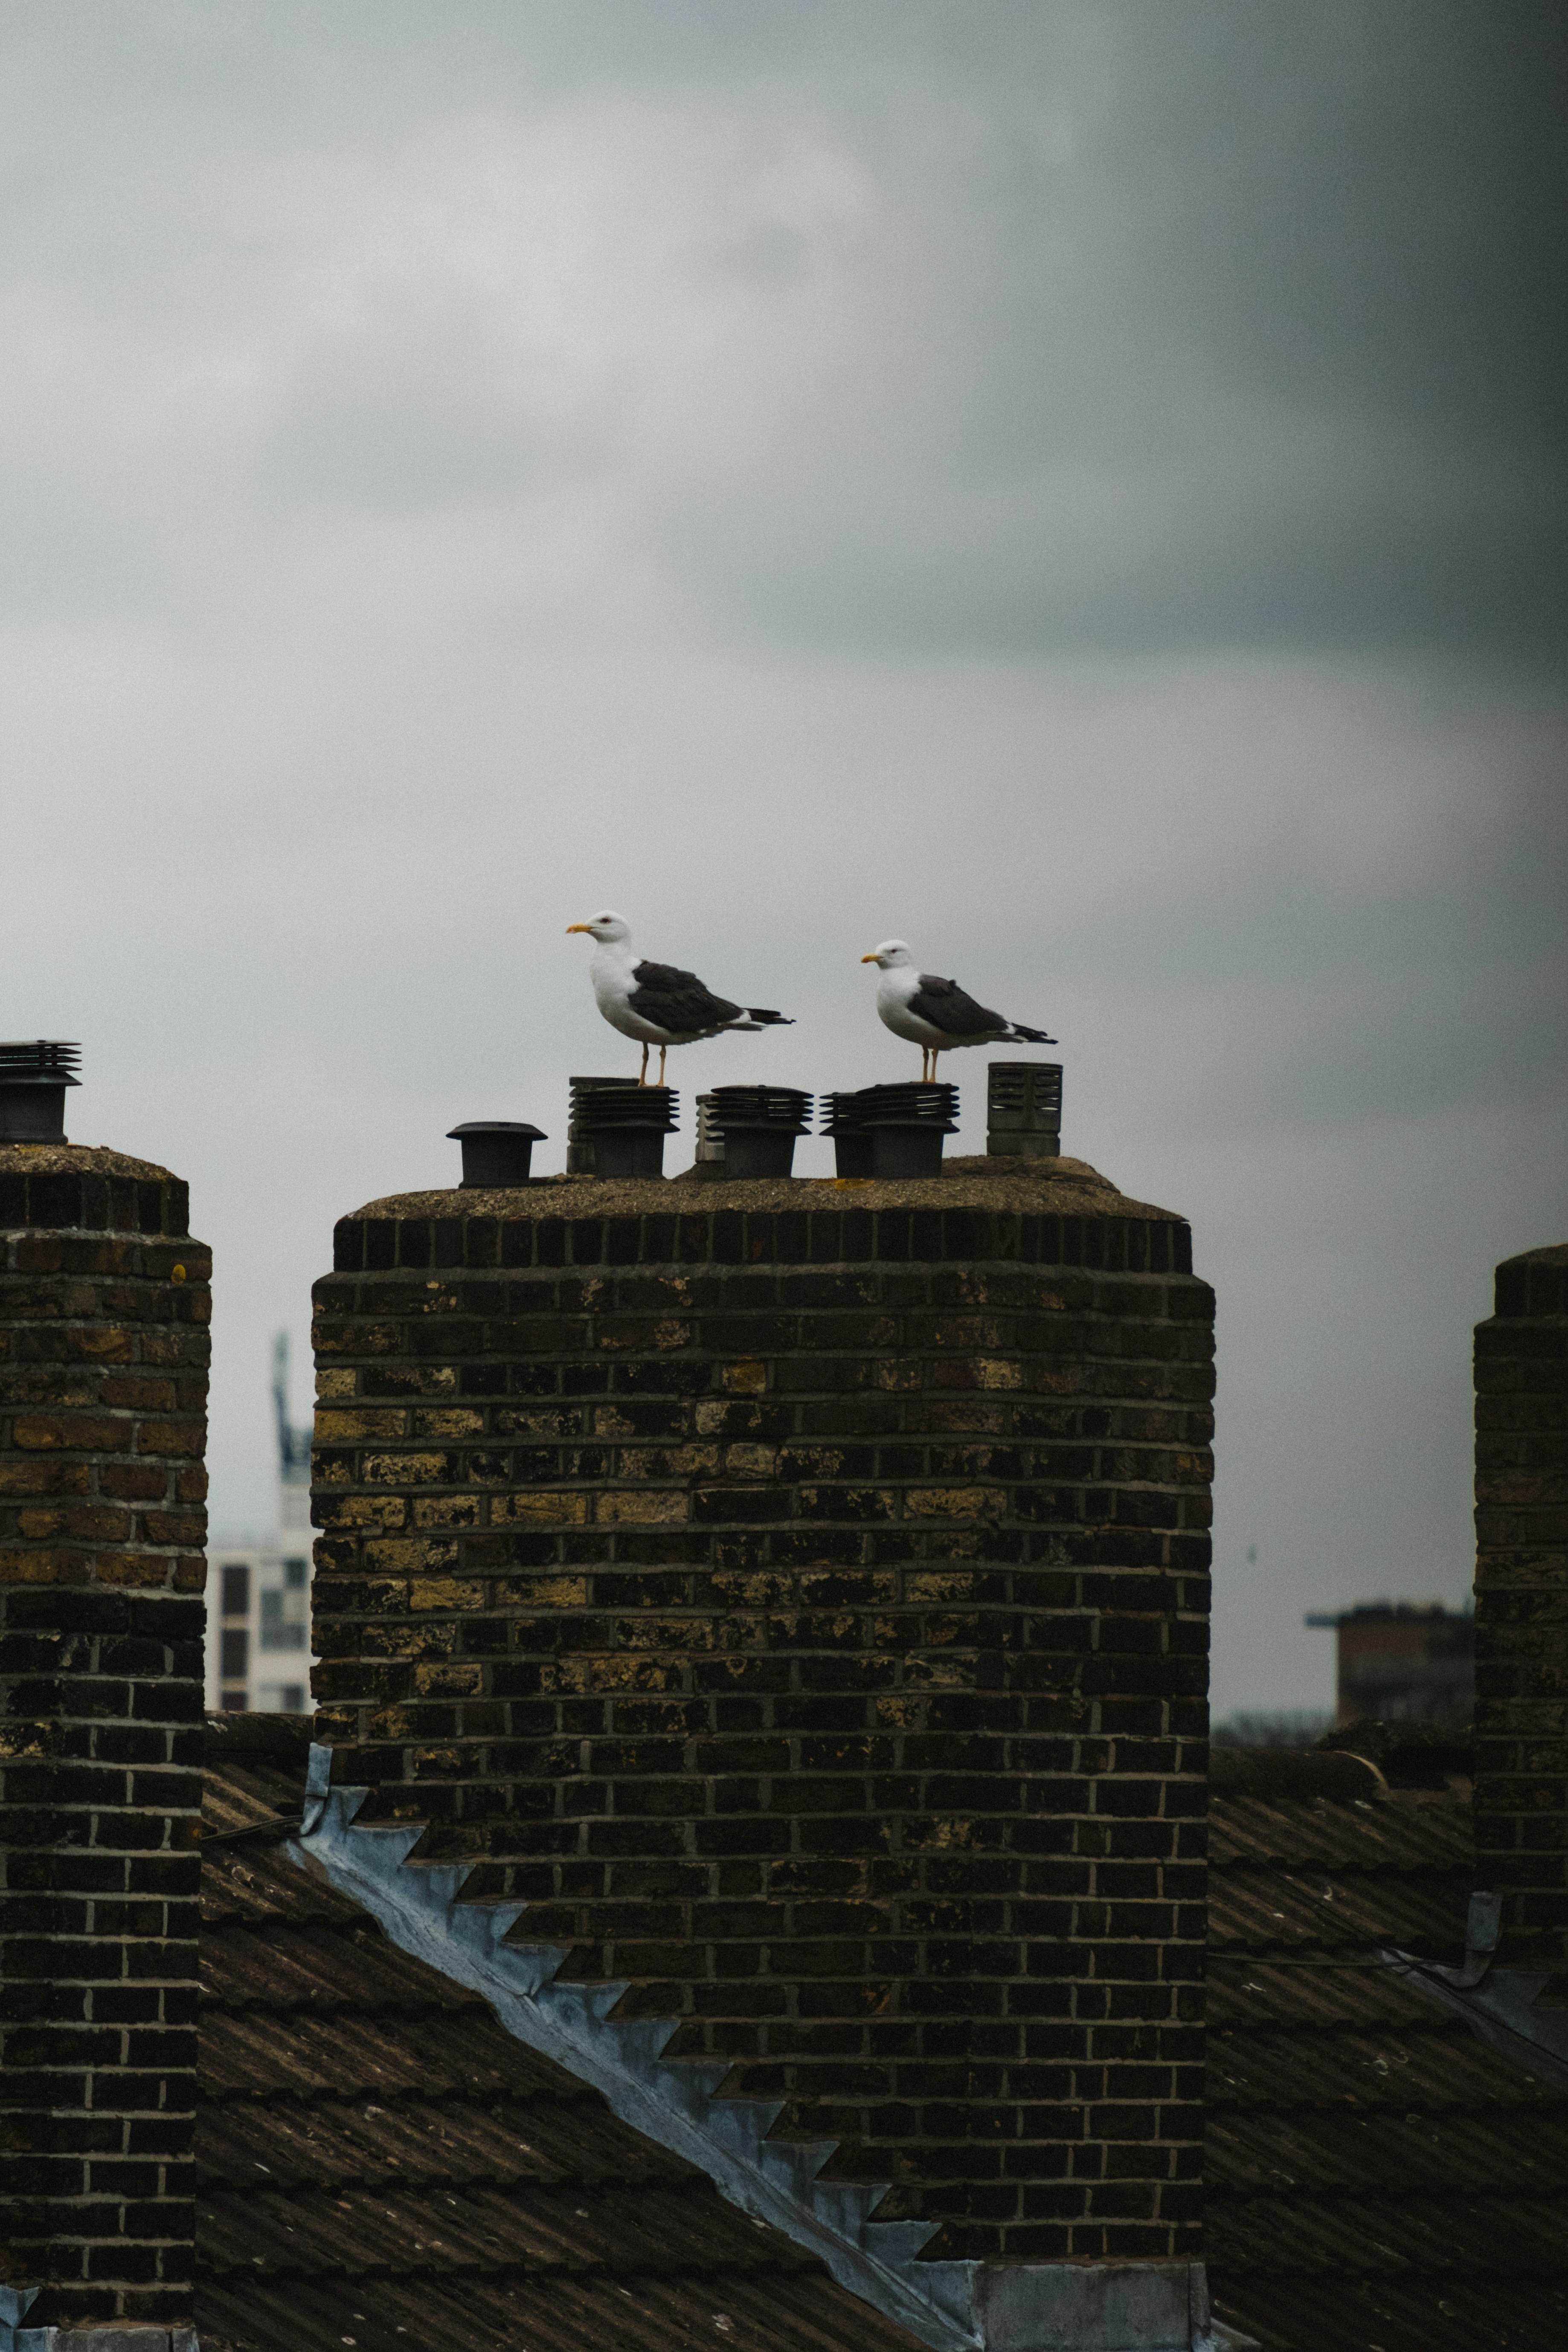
(807, 1613)
(1521, 1604)
(103, 1352)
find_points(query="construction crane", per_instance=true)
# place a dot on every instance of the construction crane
(293, 1444)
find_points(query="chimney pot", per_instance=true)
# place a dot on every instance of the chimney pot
(756, 1128)
(623, 1124)
(892, 1130)
(496, 1153)
(1024, 1109)
(34, 1076)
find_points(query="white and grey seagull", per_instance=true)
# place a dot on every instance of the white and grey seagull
(936, 1014)
(657, 1004)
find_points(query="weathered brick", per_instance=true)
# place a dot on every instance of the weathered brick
(751, 1511)
(99, 1712)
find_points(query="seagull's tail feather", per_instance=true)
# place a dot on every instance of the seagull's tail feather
(764, 1020)
(1017, 1034)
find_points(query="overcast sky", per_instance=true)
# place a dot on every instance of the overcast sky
(1081, 487)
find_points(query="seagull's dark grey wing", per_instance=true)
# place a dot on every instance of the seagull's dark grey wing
(678, 1001)
(944, 1004)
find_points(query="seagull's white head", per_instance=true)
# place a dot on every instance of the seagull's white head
(612, 931)
(892, 955)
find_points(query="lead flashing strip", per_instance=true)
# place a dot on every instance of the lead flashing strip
(1502, 2009)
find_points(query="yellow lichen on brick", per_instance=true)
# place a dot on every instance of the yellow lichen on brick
(446, 1592)
(754, 1588)
(391, 1723)
(949, 1502)
(106, 1344)
(942, 1672)
(19, 1739)
(377, 1422)
(544, 1591)
(940, 1631)
(31, 1567)
(333, 1385)
(666, 1632)
(939, 1584)
(404, 1556)
(404, 1469)
(940, 1836)
(140, 1570)
(609, 1421)
(384, 1592)
(551, 1509)
(385, 1511)
(965, 1417)
(651, 1507)
(448, 1678)
(608, 1671)
(898, 1373)
(448, 1421)
(998, 1372)
(446, 1510)
(744, 1380)
(358, 1339)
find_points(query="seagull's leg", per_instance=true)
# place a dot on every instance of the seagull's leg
(662, 1052)
(642, 1074)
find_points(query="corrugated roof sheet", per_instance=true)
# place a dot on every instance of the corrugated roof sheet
(381, 2166)
(1378, 2180)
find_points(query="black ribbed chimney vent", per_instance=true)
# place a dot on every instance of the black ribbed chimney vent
(33, 1077)
(892, 1130)
(623, 1124)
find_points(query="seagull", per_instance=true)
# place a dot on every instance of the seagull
(657, 1004)
(935, 1015)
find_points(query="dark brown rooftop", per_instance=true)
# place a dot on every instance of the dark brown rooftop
(1378, 2180)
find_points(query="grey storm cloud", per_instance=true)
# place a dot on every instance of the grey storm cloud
(1275, 322)
(1223, 325)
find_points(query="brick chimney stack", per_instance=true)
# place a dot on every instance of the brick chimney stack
(802, 1605)
(103, 1355)
(1522, 1606)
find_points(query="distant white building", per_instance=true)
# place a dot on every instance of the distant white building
(258, 1594)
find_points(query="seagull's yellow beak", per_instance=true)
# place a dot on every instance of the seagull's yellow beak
(870, 959)
(577, 927)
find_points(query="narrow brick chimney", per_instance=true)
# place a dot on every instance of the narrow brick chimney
(103, 1355)
(801, 1606)
(1522, 1606)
